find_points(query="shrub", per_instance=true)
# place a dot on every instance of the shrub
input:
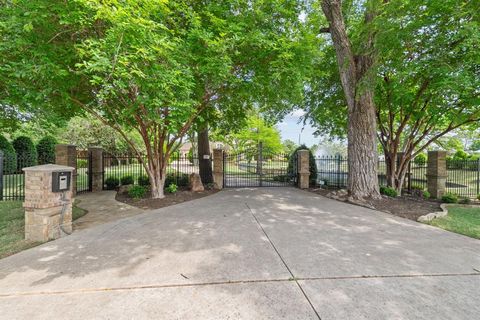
(478, 197)
(46, 150)
(126, 180)
(426, 195)
(172, 188)
(390, 192)
(420, 159)
(144, 181)
(10, 157)
(312, 164)
(111, 183)
(465, 201)
(180, 179)
(137, 192)
(26, 152)
(450, 198)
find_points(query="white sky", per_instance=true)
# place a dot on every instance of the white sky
(291, 129)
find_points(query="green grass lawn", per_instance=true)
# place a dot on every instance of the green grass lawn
(461, 220)
(12, 227)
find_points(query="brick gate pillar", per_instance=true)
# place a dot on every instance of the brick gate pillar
(437, 173)
(96, 157)
(303, 166)
(66, 155)
(218, 168)
(48, 214)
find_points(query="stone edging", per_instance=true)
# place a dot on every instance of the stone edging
(439, 214)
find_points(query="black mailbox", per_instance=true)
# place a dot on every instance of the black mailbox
(61, 181)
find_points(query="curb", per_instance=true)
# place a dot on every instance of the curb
(439, 214)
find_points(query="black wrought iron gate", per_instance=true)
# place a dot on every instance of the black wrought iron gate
(84, 171)
(258, 168)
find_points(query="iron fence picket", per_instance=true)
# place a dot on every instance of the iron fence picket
(120, 165)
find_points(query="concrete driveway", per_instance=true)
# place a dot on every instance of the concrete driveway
(271, 253)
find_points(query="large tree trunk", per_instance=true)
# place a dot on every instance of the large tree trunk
(362, 149)
(204, 159)
(355, 75)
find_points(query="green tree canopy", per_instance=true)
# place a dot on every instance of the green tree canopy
(152, 66)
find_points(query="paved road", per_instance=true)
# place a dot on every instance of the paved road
(271, 253)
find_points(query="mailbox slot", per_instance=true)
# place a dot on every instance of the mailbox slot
(61, 181)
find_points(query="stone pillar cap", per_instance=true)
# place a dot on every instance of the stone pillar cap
(49, 168)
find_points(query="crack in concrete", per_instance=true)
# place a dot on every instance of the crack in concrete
(284, 262)
(231, 282)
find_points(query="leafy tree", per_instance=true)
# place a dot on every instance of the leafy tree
(289, 146)
(88, 131)
(255, 131)
(46, 150)
(475, 146)
(424, 76)
(26, 152)
(356, 59)
(10, 157)
(151, 66)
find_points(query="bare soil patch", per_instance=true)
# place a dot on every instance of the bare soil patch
(403, 206)
(169, 200)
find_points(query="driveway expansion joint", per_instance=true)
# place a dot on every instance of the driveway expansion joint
(293, 278)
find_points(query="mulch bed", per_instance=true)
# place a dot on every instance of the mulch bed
(169, 200)
(403, 206)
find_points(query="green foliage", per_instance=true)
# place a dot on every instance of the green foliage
(144, 181)
(312, 164)
(390, 192)
(46, 150)
(172, 188)
(87, 131)
(179, 179)
(465, 200)
(112, 183)
(82, 163)
(420, 159)
(26, 152)
(426, 195)
(127, 62)
(10, 162)
(450, 197)
(289, 146)
(190, 155)
(137, 192)
(460, 155)
(126, 180)
(478, 197)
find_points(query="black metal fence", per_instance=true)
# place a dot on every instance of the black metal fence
(12, 177)
(84, 171)
(118, 167)
(463, 176)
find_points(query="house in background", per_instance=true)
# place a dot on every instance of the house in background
(185, 148)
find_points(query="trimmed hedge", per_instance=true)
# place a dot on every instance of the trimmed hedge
(46, 150)
(312, 162)
(26, 152)
(10, 162)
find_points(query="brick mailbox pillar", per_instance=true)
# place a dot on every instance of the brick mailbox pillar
(96, 157)
(303, 165)
(66, 155)
(437, 173)
(218, 168)
(47, 214)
